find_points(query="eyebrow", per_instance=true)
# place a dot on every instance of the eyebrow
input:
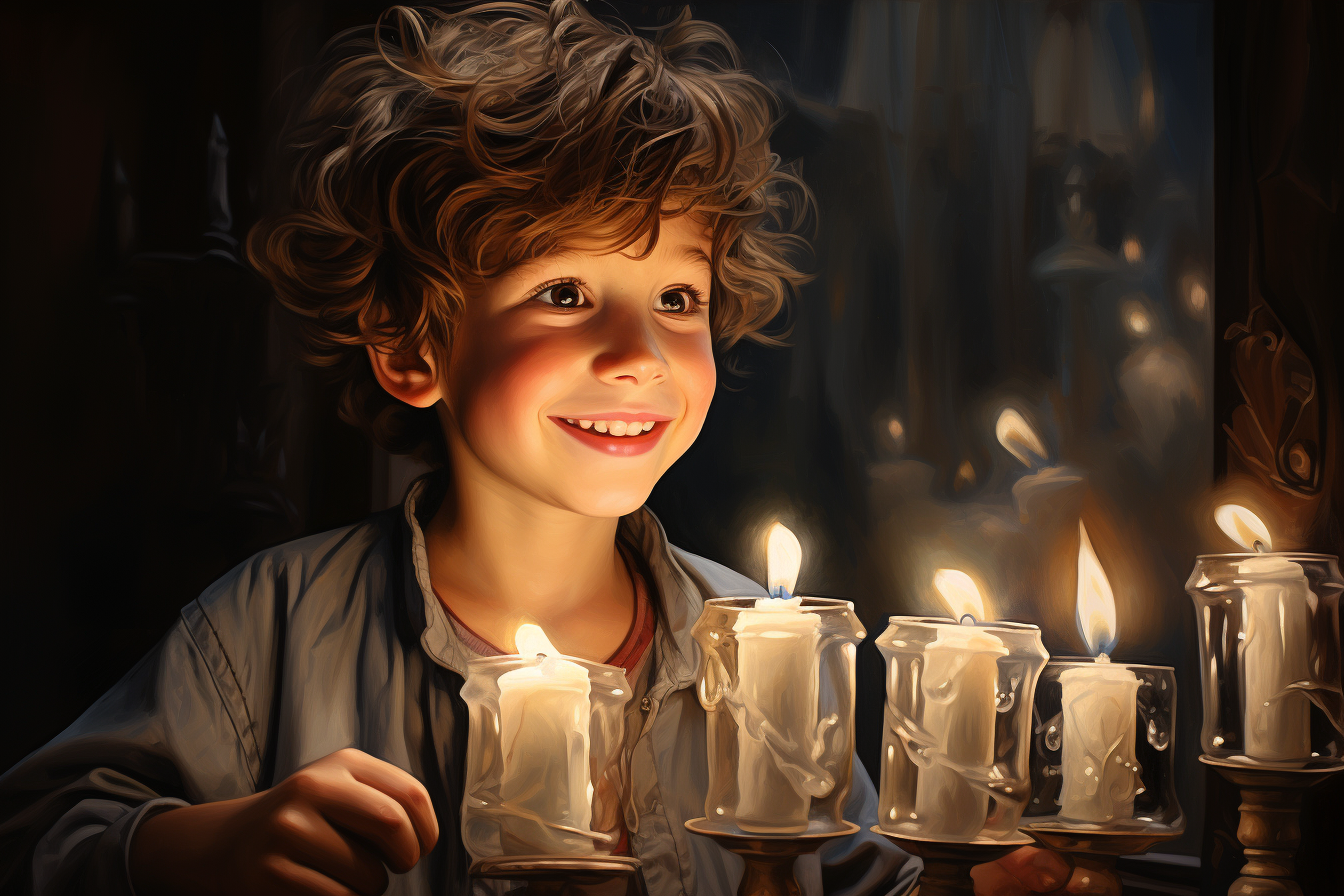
(693, 253)
(685, 252)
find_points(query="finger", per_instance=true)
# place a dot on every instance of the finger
(1093, 882)
(293, 879)
(402, 787)
(992, 879)
(361, 810)
(311, 840)
(1040, 869)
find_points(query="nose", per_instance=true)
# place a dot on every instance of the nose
(631, 354)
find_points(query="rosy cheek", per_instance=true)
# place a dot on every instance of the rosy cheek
(698, 375)
(504, 386)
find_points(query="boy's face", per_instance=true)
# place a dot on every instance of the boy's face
(555, 365)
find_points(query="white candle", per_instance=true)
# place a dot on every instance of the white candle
(1100, 709)
(1274, 653)
(778, 675)
(1275, 643)
(544, 714)
(960, 690)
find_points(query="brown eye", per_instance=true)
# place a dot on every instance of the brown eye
(562, 295)
(675, 301)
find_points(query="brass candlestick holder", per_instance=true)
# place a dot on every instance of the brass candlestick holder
(1271, 800)
(947, 865)
(565, 875)
(1097, 850)
(769, 858)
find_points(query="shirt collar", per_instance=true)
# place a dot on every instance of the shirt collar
(677, 595)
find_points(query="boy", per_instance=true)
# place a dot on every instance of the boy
(520, 236)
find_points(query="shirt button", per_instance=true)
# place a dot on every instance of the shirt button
(645, 704)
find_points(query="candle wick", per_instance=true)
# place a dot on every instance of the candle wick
(1260, 547)
(967, 619)
(1103, 658)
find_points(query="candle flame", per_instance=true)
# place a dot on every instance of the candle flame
(1136, 318)
(531, 640)
(1197, 295)
(1133, 250)
(1096, 602)
(1015, 434)
(783, 559)
(1243, 527)
(960, 593)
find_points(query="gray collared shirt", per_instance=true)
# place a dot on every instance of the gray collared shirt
(337, 641)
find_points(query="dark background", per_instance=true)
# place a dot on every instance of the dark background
(158, 432)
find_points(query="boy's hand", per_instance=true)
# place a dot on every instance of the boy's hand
(1032, 870)
(326, 830)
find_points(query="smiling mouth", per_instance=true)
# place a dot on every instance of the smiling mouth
(621, 438)
(615, 428)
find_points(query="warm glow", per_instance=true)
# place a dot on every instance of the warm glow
(1243, 527)
(1096, 602)
(896, 429)
(783, 559)
(1136, 318)
(531, 640)
(1015, 434)
(1147, 106)
(965, 475)
(1132, 249)
(960, 593)
(1198, 297)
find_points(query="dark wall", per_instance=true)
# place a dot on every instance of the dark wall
(155, 433)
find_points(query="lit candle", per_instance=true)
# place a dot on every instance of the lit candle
(545, 784)
(1099, 709)
(1275, 648)
(960, 686)
(778, 675)
(1021, 441)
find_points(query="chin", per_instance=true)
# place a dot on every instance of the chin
(607, 502)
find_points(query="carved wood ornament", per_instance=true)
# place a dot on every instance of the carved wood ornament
(1276, 435)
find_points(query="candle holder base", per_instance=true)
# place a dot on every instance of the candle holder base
(1097, 849)
(769, 859)
(947, 865)
(1269, 831)
(565, 875)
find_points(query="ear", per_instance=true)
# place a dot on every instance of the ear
(409, 376)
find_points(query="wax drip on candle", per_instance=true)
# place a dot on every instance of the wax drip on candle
(1273, 644)
(545, 781)
(1099, 709)
(776, 699)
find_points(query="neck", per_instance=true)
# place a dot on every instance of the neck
(499, 557)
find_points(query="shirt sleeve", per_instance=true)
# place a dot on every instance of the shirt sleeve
(865, 864)
(163, 737)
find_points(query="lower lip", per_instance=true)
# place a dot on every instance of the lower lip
(615, 446)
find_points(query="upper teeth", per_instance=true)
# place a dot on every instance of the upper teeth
(614, 427)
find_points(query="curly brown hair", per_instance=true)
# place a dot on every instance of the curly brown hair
(443, 148)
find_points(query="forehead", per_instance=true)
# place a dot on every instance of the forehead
(682, 240)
